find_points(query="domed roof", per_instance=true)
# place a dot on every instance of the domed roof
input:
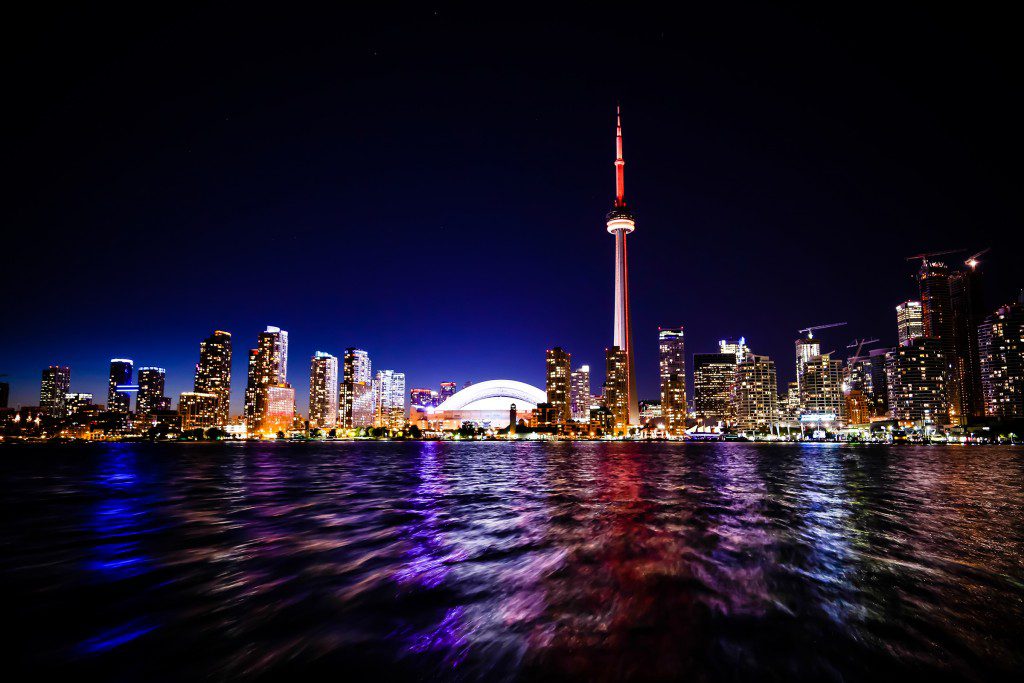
(494, 394)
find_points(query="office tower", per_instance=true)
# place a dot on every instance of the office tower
(938, 322)
(909, 321)
(757, 394)
(1001, 344)
(579, 393)
(55, 385)
(151, 391)
(967, 299)
(74, 403)
(279, 415)
(713, 378)
(5, 394)
(737, 347)
(267, 368)
(356, 400)
(916, 376)
(389, 399)
(672, 372)
(558, 370)
(616, 387)
(806, 348)
(621, 224)
(120, 376)
(213, 372)
(821, 389)
(423, 398)
(448, 389)
(198, 410)
(323, 391)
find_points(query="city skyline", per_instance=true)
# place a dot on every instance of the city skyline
(728, 180)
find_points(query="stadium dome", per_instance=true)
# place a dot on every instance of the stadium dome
(494, 395)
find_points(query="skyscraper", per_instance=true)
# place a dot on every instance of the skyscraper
(916, 375)
(448, 389)
(323, 391)
(806, 348)
(616, 387)
(120, 375)
(757, 394)
(558, 370)
(938, 323)
(909, 321)
(821, 389)
(967, 299)
(737, 347)
(621, 224)
(672, 371)
(279, 414)
(356, 400)
(213, 372)
(73, 403)
(1001, 343)
(579, 394)
(151, 391)
(713, 378)
(389, 399)
(268, 363)
(53, 390)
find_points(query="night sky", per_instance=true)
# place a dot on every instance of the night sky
(431, 185)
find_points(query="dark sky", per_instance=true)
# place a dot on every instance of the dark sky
(431, 185)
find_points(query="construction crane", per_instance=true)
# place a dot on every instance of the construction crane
(928, 254)
(973, 260)
(810, 330)
(860, 344)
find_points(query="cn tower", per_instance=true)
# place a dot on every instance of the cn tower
(620, 224)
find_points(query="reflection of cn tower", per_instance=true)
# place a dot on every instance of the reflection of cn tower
(620, 224)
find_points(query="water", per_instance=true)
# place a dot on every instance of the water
(471, 561)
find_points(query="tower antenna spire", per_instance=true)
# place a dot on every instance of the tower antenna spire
(620, 163)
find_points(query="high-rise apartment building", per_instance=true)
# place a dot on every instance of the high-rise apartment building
(616, 387)
(389, 399)
(268, 364)
(938, 320)
(120, 376)
(279, 413)
(672, 372)
(53, 389)
(821, 389)
(151, 391)
(806, 348)
(213, 372)
(909, 322)
(198, 410)
(579, 394)
(879, 393)
(557, 372)
(1001, 344)
(713, 378)
(323, 391)
(356, 399)
(916, 377)
(757, 394)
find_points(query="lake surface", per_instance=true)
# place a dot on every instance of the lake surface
(467, 561)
